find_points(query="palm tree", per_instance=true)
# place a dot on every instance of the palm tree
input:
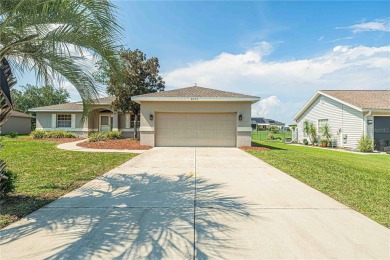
(57, 39)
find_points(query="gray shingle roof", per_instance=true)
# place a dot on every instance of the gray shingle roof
(196, 91)
(72, 106)
(20, 114)
(364, 99)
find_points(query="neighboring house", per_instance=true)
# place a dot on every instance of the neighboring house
(195, 116)
(350, 114)
(262, 123)
(69, 117)
(18, 122)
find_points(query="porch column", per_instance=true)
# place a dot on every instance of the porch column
(115, 121)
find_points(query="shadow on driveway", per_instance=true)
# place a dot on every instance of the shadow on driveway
(129, 216)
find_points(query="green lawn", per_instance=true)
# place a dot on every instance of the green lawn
(45, 173)
(263, 135)
(359, 181)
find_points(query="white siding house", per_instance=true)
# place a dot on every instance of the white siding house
(350, 114)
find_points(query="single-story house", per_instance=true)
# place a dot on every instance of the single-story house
(262, 123)
(68, 116)
(350, 115)
(18, 122)
(195, 116)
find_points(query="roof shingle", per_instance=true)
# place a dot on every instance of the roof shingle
(73, 106)
(20, 114)
(196, 91)
(364, 99)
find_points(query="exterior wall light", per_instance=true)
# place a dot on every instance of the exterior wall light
(151, 117)
(240, 117)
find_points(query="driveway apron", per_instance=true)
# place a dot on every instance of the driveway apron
(186, 203)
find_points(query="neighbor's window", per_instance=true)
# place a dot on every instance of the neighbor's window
(321, 124)
(64, 120)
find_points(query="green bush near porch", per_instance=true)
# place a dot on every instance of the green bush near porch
(111, 135)
(39, 134)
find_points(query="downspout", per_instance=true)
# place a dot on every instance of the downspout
(365, 126)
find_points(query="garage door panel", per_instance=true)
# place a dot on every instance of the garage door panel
(194, 129)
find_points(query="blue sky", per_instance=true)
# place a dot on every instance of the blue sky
(280, 51)
(181, 32)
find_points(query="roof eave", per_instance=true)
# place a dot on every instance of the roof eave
(316, 95)
(53, 110)
(376, 109)
(200, 99)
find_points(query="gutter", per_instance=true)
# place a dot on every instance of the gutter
(365, 126)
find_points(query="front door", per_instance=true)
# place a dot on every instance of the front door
(105, 123)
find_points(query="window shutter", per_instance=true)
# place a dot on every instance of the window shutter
(53, 120)
(73, 121)
(127, 121)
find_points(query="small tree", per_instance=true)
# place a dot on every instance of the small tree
(326, 132)
(33, 96)
(139, 75)
(310, 130)
(365, 144)
(313, 132)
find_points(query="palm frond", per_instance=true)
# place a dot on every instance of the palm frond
(60, 39)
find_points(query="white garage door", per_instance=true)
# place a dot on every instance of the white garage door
(192, 129)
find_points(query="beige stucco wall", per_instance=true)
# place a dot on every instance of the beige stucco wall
(21, 125)
(243, 108)
(82, 127)
(43, 120)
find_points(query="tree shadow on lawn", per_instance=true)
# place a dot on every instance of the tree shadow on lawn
(133, 216)
(254, 144)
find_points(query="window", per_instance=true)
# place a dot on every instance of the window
(321, 124)
(64, 120)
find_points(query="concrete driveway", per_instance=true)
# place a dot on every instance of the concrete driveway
(175, 203)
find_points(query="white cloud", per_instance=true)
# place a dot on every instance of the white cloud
(264, 106)
(381, 25)
(293, 81)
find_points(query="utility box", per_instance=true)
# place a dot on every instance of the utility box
(345, 138)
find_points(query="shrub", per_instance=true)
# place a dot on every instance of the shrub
(365, 144)
(38, 134)
(271, 137)
(59, 134)
(7, 182)
(305, 142)
(96, 137)
(12, 134)
(113, 135)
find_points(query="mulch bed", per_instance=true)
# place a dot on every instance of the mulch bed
(255, 148)
(119, 144)
(57, 140)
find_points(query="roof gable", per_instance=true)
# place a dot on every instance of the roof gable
(357, 99)
(194, 92)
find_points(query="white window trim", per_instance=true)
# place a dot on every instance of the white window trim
(127, 125)
(65, 127)
(318, 125)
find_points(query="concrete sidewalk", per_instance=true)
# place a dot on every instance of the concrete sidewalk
(72, 146)
(177, 203)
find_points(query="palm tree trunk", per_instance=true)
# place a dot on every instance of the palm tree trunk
(7, 81)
